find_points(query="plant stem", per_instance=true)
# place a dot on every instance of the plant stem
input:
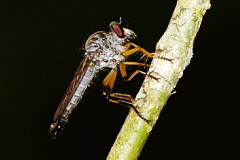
(173, 53)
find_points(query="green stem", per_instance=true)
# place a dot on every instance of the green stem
(176, 45)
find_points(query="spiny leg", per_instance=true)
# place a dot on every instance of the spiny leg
(166, 59)
(144, 52)
(120, 96)
(127, 101)
(135, 63)
(136, 49)
(122, 68)
(109, 81)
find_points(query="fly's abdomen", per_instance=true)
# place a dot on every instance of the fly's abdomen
(77, 96)
(81, 82)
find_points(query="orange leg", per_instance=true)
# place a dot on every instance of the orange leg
(109, 81)
(127, 101)
(125, 97)
(122, 68)
(135, 63)
(136, 49)
(135, 73)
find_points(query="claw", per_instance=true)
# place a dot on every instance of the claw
(107, 92)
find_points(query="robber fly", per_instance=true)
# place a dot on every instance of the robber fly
(101, 50)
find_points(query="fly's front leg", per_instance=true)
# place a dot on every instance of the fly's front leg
(136, 49)
(144, 52)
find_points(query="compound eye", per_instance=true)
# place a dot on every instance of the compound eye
(117, 29)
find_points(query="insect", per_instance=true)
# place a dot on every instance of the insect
(101, 50)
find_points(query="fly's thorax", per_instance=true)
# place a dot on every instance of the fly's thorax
(108, 60)
(95, 41)
(105, 49)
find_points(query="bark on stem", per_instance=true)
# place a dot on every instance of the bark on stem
(176, 44)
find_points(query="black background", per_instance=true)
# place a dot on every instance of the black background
(39, 47)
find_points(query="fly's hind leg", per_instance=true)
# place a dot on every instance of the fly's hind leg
(127, 101)
(119, 98)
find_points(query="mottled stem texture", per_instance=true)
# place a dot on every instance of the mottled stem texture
(173, 53)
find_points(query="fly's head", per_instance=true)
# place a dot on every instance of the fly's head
(120, 34)
(57, 127)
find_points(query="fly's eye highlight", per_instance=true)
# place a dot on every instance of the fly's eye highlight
(117, 28)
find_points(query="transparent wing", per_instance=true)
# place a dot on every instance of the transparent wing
(78, 76)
